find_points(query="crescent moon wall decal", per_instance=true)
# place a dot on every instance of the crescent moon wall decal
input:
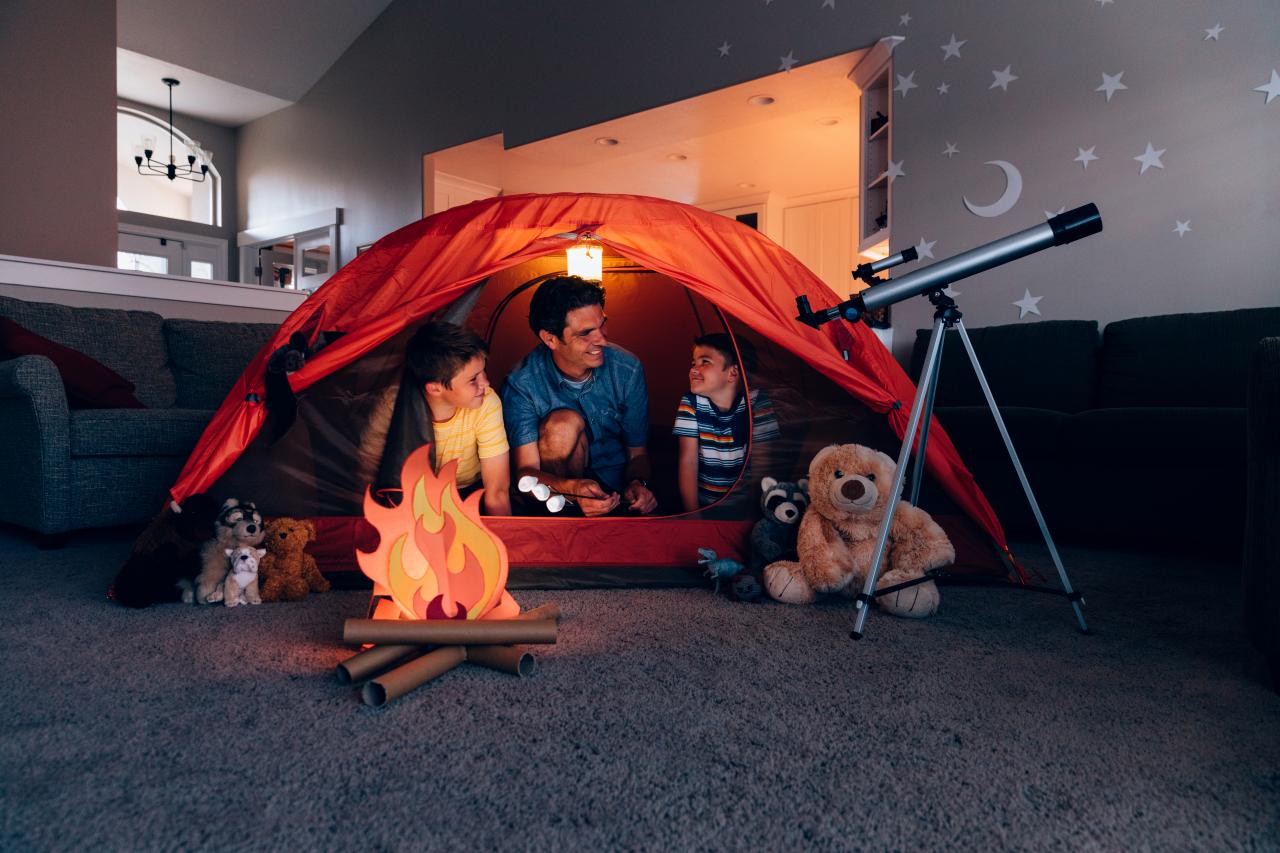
(1012, 192)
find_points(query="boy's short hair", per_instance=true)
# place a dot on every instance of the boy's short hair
(438, 350)
(723, 344)
(556, 297)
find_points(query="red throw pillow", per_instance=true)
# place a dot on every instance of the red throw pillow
(90, 384)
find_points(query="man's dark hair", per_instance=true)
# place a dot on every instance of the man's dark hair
(723, 344)
(556, 297)
(438, 350)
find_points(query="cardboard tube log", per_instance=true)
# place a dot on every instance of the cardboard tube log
(510, 659)
(360, 666)
(449, 632)
(399, 681)
(542, 611)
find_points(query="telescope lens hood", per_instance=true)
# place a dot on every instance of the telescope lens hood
(1074, 224)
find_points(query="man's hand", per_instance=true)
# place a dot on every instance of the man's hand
(591, 498)
(639, 498)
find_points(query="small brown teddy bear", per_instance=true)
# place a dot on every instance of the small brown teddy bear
(848, 490)
(288, 572)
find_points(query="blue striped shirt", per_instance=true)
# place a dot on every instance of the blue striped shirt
(722, 438)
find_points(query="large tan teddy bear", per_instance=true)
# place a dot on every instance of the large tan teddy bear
(288, 572)
(848, 490)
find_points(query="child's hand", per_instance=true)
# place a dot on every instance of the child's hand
(593, 499)
(639, 498)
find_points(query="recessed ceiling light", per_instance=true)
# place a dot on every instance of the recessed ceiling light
(828, 122)
(606, 141)
(760, 100)
(746, 186)
(677, 157)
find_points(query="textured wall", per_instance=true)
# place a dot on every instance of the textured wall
(57, 152)
(428, 76)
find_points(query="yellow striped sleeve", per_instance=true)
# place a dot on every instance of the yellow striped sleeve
(491, 431)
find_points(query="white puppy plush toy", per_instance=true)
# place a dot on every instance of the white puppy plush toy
(241, 584)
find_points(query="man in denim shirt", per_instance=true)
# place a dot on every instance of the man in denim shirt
(576, 408)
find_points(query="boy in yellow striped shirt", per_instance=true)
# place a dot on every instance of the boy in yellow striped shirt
(466, 413)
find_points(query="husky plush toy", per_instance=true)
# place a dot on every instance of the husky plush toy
(241, 585)
(239, 524)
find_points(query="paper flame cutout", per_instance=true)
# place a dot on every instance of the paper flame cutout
(435, 556)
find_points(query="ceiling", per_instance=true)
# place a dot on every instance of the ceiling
(237, 60)
(714, 147)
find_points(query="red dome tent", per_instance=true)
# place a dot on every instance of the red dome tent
(424, 268)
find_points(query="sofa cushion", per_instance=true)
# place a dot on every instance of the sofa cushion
(129, 342)
(1182, 359)
(135, 432)
(89, 384)
(1157, 436)
(1035, 432)
(1046, 365)
(208, 356)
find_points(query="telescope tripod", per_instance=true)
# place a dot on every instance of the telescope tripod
(946, 316)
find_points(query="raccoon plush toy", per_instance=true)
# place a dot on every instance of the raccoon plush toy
(239, 524)
(774, 536)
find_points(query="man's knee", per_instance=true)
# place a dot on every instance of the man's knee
(562, 442)
(562, 426)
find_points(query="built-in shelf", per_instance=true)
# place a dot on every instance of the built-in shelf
(875, 206)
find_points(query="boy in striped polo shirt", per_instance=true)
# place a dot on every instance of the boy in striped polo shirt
(466, 413)
(713, 424)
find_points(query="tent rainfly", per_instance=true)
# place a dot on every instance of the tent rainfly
(672, 272)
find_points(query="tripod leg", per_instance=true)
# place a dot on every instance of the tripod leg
(928, 375)
(1072, 595)
(917, 467)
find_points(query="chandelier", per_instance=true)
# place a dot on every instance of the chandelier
(172, 170)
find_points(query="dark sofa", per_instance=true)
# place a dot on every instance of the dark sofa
(1137, 438)
(71, 468)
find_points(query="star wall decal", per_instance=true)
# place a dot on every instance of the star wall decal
(952, 48)
(1100, 3)
(895, 170)
(905, 19)
(906, 84)
(1150, 158)
(1049, 214)
(787, 61)
(1272, 89)
(724, 48)
(1182, 227)
(1027, 304)
(1111, 84)
(1002, 78)
(925, 248)
(944, 88)
(950, 151)
(951, 291)
(1085, 156)
(828, 4)
(1212, 33)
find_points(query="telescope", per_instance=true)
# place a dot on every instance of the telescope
(1058, 231)
(931, 281)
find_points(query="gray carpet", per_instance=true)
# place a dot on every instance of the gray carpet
(664, 719)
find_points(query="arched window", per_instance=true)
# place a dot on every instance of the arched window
(156, 194)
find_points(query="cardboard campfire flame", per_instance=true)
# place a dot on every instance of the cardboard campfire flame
(435, 556)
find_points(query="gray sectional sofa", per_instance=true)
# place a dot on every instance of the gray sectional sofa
(1132, 437)
(66, 469)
